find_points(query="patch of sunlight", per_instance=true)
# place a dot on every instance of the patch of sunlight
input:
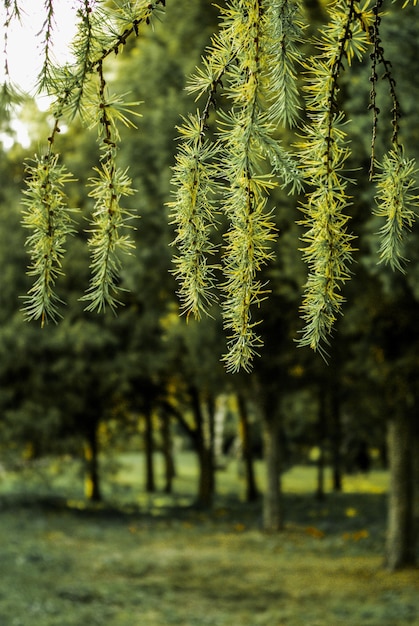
(375, 482)
(76, 504)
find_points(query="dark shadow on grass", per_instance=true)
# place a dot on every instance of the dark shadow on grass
(338, 514)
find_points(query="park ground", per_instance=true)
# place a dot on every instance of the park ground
(156, 560)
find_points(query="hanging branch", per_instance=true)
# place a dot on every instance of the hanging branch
(249, 80)
(395, 176)
(375, 56)
(251, 61)
(101, 33)
(323, 153)
(251, 230)
(49, 220)
(266, 33)
(193, 213)
(47, 29)
(10, 94)
(397, 202)
(109, 221)
(194, 208)
(283, 27)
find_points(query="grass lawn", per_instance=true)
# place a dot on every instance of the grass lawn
(154, 560)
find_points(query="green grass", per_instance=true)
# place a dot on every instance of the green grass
(145, 560)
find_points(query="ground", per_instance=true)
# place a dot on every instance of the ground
(159, 561)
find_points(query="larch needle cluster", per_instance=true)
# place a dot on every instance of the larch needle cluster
(229, 158)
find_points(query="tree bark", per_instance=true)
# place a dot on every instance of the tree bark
(415, 478)
(169, 464)
(209, 438)
(252, 492)
(272, 501)
(150, 483)
(400, 548)
(203, 441)
(267, 400)
(91, 455)
(336, 436)
(321, 433)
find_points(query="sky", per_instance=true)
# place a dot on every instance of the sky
(25, 44)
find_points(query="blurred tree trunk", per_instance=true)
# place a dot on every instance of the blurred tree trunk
(252, 493)
(336, 434)
(321, 434)
(336, 456)
(415, 461)
(91, 455)
(272, 501)
(204, 435)
(169, 464)
(210, 437)
(150, 485)
(401, 548)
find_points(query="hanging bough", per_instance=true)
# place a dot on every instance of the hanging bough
(80, 89)
(252, 63)
(352, 30)
(229, 160)
(324, 152)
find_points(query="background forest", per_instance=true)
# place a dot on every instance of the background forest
(98, 389)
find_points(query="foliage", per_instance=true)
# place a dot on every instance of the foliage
(324, 152)
(395, 202)
(49, 220)
(351, 31)
(251, 63)
(82, 89)
(231, 152)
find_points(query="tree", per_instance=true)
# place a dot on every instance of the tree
(392, 366)
(230, 155)
(252, 492)
(196, 377)
(253, 61)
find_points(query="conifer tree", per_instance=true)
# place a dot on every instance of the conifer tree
(255, 80)
(230, 157)
(251, 61)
